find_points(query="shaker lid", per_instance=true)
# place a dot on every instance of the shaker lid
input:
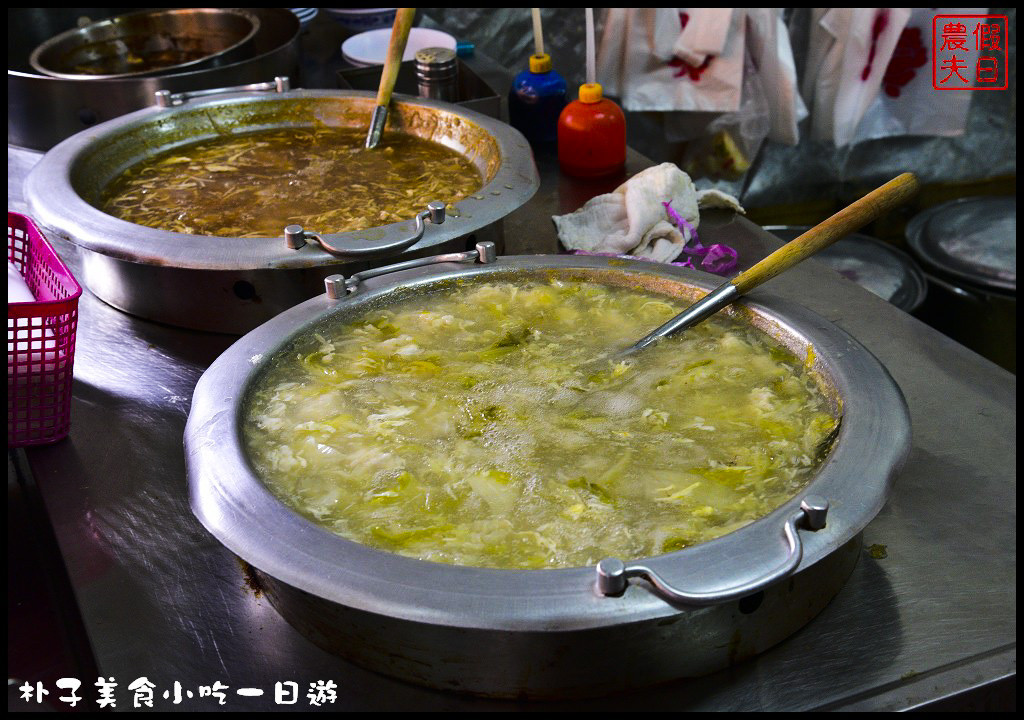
(435, 56)
(973, 239)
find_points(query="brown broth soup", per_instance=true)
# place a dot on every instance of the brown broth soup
(132, 54)
(322, 178)
(463, 431)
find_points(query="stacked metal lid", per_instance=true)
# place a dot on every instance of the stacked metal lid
(874, 265)
(971, 241)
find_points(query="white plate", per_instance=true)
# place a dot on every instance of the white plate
(371, 48)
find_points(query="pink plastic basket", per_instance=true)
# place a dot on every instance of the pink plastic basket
(40, 339)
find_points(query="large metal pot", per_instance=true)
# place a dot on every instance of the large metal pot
(230, 284)
(148, 42)
(968, 248)
(42, 110)
(559, 632)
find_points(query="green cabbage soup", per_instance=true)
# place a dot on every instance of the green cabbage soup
(461, 428)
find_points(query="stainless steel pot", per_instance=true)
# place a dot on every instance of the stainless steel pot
(42, 110)
(233, 284)
(148, 42)
(968, 248)
(559, 632)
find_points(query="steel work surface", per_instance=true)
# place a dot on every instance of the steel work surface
(159, 597)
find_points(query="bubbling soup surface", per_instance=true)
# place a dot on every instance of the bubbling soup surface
(462, 429)
(255, 184)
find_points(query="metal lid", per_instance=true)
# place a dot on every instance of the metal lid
(876, 266)
(972, 239)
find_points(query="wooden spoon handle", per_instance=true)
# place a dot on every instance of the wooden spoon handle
(396, 48)
(850, 219)
(820, 236)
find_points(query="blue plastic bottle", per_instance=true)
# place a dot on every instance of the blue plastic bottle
(535, 101)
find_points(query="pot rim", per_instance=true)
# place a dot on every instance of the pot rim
(54, 201)
(234, 505)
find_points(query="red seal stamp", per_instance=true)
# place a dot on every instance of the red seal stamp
(970, 52)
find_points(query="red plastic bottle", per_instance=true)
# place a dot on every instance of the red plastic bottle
(591, 135)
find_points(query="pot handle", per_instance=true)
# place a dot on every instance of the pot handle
(338, 286)
(342, 245)
(165, 99)
(613, 575)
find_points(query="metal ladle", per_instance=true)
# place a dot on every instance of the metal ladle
(850, 219)
(389, 74)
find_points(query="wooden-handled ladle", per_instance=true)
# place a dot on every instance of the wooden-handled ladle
(396, 48)
(848, 220)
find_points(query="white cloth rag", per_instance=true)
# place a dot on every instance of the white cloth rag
(632, 220)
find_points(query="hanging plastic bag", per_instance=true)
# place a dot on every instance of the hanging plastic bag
(731, 141)
(637, 59)
(908, 103)
(850, 50)
(770, 51)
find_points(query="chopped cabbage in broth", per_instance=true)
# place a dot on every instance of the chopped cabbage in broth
(463, 430)
(322, 178)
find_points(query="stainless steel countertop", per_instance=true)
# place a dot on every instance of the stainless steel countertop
(161, 598)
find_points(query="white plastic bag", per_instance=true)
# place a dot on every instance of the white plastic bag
(913, 106)
(635, 60)
(849, 52)
(770, 51)
(731, 141)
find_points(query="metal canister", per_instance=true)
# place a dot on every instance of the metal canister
(437, 74)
